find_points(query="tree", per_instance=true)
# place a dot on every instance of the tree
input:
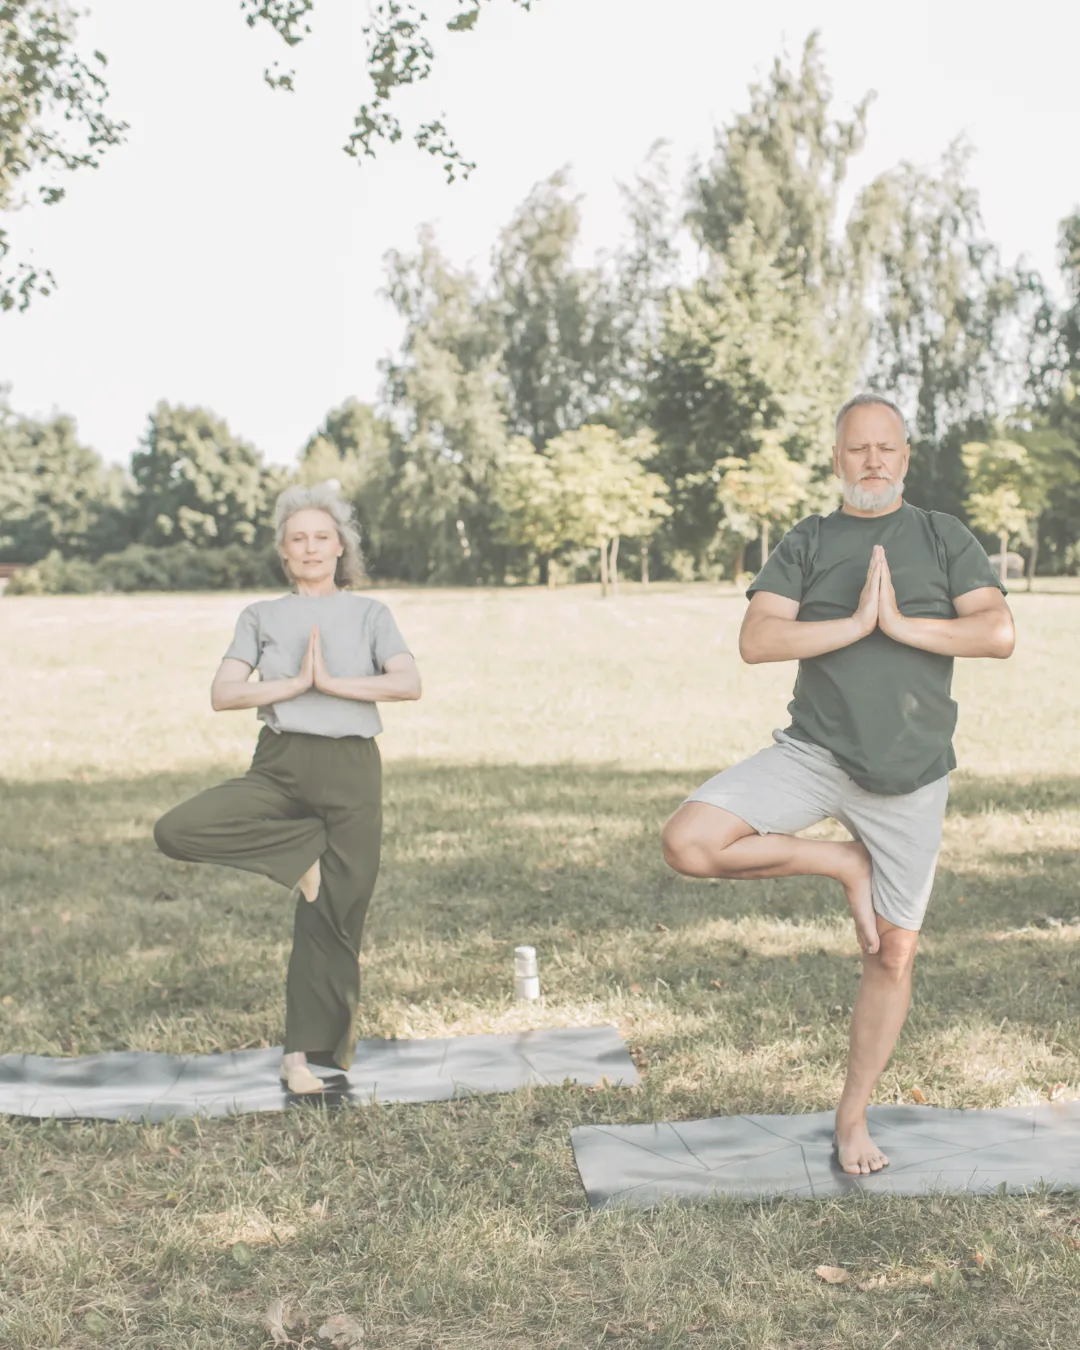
(50, 92)
(608, 492)
(1006, 490)
(196, 481)
(354, 447)
(561, 325)
(949, 319)
(446, 391)
(533, 506)
(769, 339)
(52, 118)
(400, 53)
(1001, 513)
(55, 493)
(766, 488)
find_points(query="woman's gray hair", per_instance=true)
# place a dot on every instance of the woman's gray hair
(861, 401)
(323, 497)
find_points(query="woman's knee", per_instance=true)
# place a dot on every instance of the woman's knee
(168, 834)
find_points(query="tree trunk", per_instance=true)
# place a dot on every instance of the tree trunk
(1003, 571)
(740, 562)
(613, 567)
(764, 542)
(544, 563)
(603, 567)
(1033, 555)
(644, 563)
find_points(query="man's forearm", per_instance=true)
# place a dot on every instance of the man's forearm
(774, 639)
(394, 687)
(987, 634)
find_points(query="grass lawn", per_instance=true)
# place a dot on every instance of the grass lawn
(525, 793)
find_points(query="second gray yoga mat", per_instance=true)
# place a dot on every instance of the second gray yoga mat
(137, 1085)
(930, 1151)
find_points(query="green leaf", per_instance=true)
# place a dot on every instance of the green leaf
(463, 22)
(242, 1255)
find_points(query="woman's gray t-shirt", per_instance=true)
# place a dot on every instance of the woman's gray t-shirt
(358, 636)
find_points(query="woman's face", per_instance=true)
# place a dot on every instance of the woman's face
(311, 546)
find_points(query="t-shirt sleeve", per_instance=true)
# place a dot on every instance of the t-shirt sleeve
(386, 639)
(245, 643)
(968, 566)
(784, 572)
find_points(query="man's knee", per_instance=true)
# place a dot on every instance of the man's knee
(683, 847)
(895, 957)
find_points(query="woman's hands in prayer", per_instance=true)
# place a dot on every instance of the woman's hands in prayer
(313, 673)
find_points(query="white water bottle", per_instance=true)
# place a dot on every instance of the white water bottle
(526, 976)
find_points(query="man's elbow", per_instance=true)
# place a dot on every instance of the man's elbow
(1004, 638)
(749, 650)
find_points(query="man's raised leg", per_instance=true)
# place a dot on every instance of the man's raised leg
(706, 841)
(880, 1009)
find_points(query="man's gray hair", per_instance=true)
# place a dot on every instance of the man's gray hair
(864, 400)
(323, 497)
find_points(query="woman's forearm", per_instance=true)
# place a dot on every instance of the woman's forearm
(770, 638)
(233, 695)
(394, 687)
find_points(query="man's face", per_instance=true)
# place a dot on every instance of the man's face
(871, 457)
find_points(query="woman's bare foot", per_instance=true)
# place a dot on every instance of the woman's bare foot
(310, 882)
(858, 889)
(857, 1152)
(296, 1075)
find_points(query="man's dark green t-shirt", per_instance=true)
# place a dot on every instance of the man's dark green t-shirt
(883, 709)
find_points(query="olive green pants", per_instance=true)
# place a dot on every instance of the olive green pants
(304, 797)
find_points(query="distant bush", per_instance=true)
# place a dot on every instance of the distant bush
(177, 567)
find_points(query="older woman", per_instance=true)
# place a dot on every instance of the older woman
(308, 812)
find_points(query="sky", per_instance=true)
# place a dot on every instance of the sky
(230, 255)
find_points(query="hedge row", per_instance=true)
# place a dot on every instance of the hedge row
(178, 567)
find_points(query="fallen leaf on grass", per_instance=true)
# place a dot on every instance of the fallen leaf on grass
(636, 989)
(96, 1324)
(1058, 1090)
(662, 928)
(875, 1282)
(343, 1332)
(175, 1151)
(716, 984)
(274, 1322)
(917, 1097)
(7, 1000)
(832, 1274)
(242, 1255)
(979, 1259)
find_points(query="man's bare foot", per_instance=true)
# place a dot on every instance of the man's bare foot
(858, 890)
(310, 882)
(857, 1152)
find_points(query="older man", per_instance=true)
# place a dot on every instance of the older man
(874, 601)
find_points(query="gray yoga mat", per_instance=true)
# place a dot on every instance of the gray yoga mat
(930, 1151)
(137, 1085)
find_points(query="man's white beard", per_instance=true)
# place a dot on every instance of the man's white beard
(869, 499)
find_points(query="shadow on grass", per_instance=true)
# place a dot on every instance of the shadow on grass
(479, 858)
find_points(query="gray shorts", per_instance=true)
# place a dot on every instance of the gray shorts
(794, 785)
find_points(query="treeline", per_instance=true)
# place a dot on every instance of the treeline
(673, 398)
